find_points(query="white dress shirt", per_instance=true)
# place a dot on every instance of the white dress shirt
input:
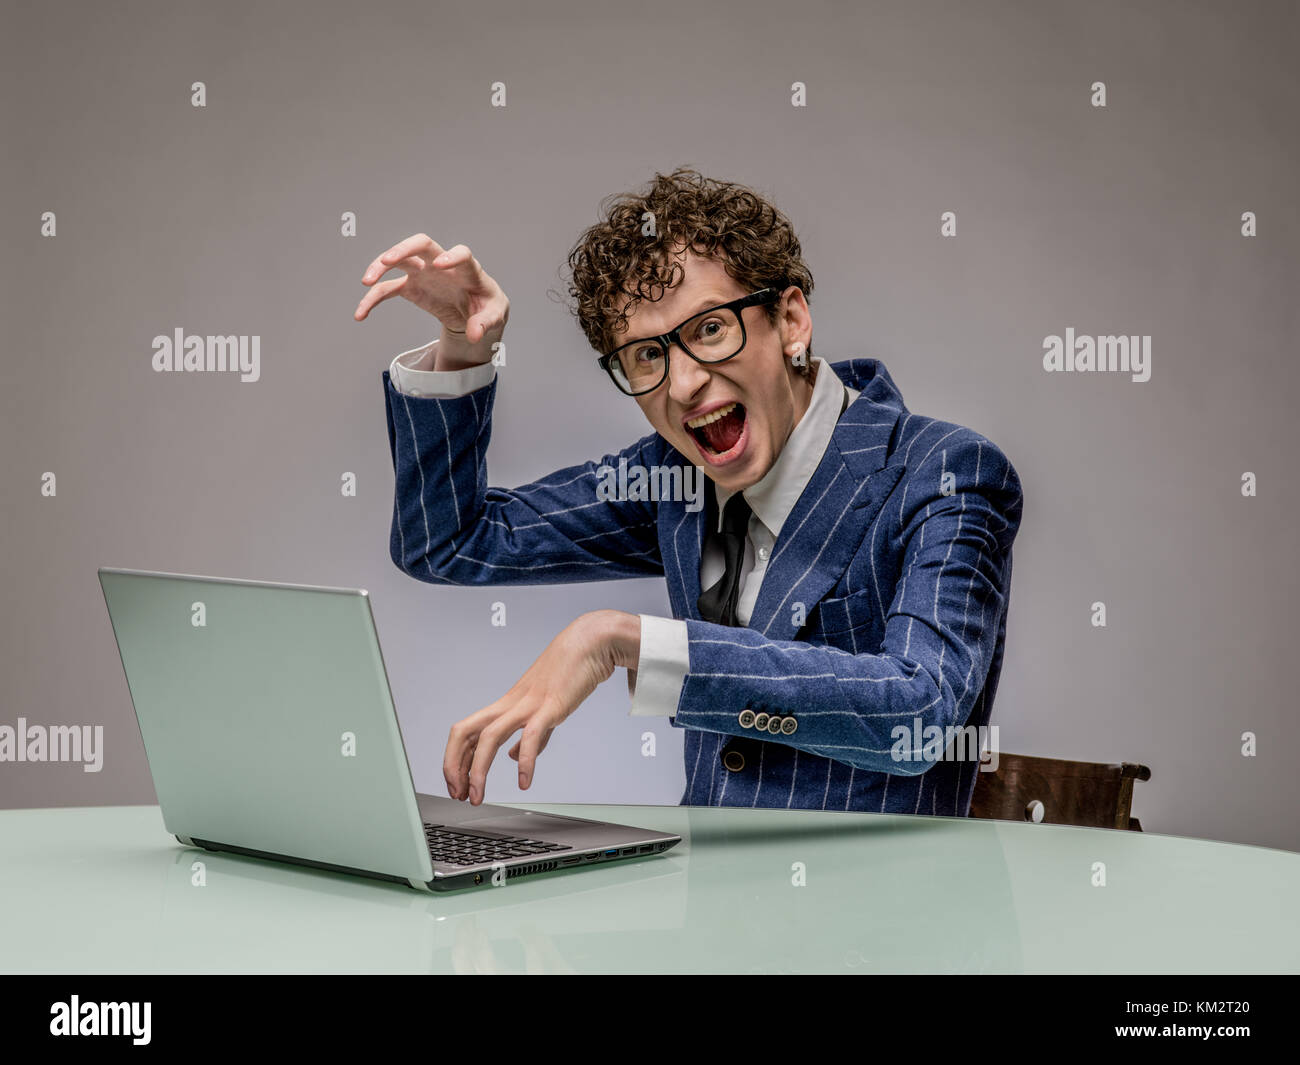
(665, 659)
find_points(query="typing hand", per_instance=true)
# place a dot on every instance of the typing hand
(582, 656)
(452, 286)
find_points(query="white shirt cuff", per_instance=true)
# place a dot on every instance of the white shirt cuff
(412, 374)
(661, 667)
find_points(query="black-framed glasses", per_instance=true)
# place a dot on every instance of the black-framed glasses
(713, 335)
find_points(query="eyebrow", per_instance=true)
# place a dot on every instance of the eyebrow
(712, 301)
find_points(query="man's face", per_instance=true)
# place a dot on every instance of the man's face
(764, 385)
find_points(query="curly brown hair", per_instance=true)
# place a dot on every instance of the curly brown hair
(614, 265)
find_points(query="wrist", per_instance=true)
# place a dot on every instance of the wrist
(617, 634)
(455, 352)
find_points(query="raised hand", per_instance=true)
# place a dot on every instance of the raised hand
(452, 286)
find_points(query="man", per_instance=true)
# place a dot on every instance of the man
(839, 606)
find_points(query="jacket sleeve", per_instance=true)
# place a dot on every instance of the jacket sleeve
(879, 711)
(450, 527)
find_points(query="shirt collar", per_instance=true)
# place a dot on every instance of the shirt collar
(774, 496)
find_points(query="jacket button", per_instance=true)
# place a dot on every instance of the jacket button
(760, 722)
(746, 718)
(733, 760)
(774, 724)
(788, 725)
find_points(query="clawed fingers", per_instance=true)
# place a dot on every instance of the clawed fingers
(471, 746)
(489, 743)
(449, 284)
(530, 745)
(460, 259)
(474, 742)
(462, 776)
(383, 291)
(421, 244)
(459, 755)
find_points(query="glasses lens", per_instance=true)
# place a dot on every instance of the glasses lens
(638, 367)
(713, 335)
(710, 337)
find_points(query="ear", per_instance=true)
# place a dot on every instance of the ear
(795, 326)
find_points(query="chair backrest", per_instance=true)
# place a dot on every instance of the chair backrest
(1059, 792)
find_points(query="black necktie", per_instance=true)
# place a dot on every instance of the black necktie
(718, 604)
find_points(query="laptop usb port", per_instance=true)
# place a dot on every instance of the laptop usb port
(628, 850)
(612, 854)
(645, 849)
(569, 861)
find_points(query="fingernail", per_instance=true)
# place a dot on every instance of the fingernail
(523, 780)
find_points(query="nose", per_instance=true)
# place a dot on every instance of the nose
(685, 376)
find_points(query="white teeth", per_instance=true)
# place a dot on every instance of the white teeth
(705, 419)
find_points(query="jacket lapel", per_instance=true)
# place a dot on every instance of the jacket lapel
(827, 524)
(681, 536)
(826, 527)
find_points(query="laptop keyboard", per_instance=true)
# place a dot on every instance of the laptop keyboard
(465, 848)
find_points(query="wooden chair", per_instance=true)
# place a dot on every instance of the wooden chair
(1059, 792)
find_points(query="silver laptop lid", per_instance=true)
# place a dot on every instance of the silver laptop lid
(267, 718)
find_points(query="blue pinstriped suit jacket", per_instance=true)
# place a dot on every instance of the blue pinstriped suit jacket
(884, 602)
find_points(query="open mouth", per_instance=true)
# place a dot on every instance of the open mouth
(719, 431)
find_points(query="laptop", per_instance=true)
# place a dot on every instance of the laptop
(270, 731)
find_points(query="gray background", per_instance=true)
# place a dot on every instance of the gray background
(225, 220)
